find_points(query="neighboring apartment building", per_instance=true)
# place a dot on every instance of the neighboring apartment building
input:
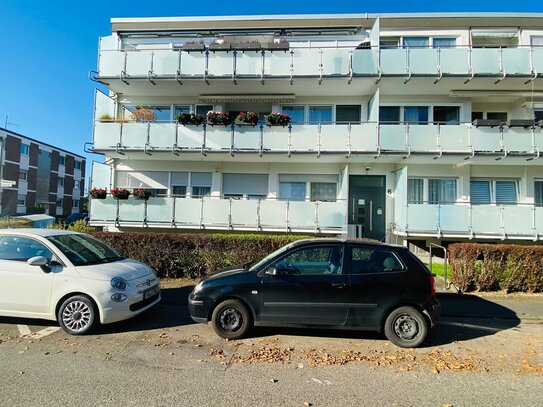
(38, 175)
(419, 127)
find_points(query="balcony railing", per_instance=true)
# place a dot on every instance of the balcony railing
(221, 214)
(521, 221)
(320, 138)
(320, 63)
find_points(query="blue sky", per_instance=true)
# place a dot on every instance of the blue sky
(48, 47)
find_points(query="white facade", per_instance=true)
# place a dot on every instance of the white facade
(420, 127)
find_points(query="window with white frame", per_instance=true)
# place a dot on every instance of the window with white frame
(60, 203)
(61, 182)
(25, 149)
(248, 186)
(324, 191)
(296, 112)
(313, 187)
(200, 184)
(75, 203)
(536, 41)
(538, 192)
(78, 165)
(320, 114)
(61, 160)
(489, 191)
(23, 175)
(77, 184)
(179, 183)
(21, 200)
(432, 190)
(292, 191)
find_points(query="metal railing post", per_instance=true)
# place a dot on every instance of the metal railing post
(445, 261)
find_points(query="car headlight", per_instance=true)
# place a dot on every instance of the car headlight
(198, 288)
(118, 297)
(119, 283)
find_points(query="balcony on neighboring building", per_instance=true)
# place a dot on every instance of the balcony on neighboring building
(212, 213)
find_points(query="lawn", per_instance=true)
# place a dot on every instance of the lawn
(438, 269)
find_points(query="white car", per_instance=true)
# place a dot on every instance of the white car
(72, 278)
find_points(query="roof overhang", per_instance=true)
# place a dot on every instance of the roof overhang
(246, 98)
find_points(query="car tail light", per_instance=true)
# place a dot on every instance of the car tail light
(432, 285)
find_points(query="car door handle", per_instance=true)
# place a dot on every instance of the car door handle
(338, 285)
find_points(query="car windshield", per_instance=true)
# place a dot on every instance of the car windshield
(270, 256)
(83, 250)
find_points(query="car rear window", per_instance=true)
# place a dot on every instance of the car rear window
(373, 260)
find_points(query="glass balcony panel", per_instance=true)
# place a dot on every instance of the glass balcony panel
(365, 61)
(454, 138)
(454, 61)
(103, 209)
(134, 135)
(485, 60)
(304, 137)
(454, 218)
(216, 211)
(245, 213)
(539, 138)
(334, 137)
(131, 210)
(518, 220)
(301, 215)
(187, 211)
(138, 63)
(517, 139)
(332, 214)
(190, 137)
(364, 137)
(248, 137)
(160, 210)
(422, 218)
(111, 63)
(106, 135)
(422, 137)
(392, 137)
(276, 138)
(248, 63)
(485, 139)
(165, 62)
(486, 219)
(278, 63)
(537, 60)
(539, 220)
(335, 61)
(306, 62)
(516, 61)
(219, 137)
(162, 135)
(423, 61)
(273, 214)
(221, 63)
(193, 63)
(394, 61)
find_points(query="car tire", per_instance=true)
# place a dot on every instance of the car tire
(77, 315)
(406, 327)
(231, 319)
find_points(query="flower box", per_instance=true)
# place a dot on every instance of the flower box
(519, 123)
(247, 118)
(279, 46)
(98, 193)
(120, 193)
(142, 194)
(278, 119)
(487, 123)
(220, 47)
(193, 47)
(248, 46)
(219, 118)
(190, 119)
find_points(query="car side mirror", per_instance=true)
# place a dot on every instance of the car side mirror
(41, 262)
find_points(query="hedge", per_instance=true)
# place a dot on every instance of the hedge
(193, 255)
(492, 267)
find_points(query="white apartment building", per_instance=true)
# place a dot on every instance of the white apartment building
(404, 127)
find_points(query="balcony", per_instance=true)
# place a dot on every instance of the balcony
(463, 220)
(321, 63)
(220, 214)
(320, 138)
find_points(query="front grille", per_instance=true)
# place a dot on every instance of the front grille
(142, 304)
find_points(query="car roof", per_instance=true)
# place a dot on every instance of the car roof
(37, 232)
(318, 240)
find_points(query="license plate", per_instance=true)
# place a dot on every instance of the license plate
(150, 292)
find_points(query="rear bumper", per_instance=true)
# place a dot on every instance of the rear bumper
(433, 310)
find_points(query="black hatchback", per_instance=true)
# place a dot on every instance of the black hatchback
(325, 283)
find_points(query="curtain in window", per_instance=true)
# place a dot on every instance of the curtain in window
(324, 191)
(320, 114)
(416, 114)
(506, 192)
(441, 191)
(198, 192)
(444, 42)
(415, 191)
(295, 112)
(416, 42)
(480, 192)
(294, 191)
(389, 114)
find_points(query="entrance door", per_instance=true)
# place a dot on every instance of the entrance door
(367, 206)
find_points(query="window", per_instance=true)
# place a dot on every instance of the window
(75, 203)
(198, 192)
(415, 191)
(538, 115)
(538, 187)
(242, 185)
(77, 184)
(324, 191)
(320, 114)
(60, 203)
(501, 192)
(294, 191)
(203, 109)
(444, 42)
(348, 113)
(161, 113)
(17, 248)
(21, 200)
(312, 260)
(447, 114)
(536, 41)
(201, 184)
(416, 42)
(78, 165)
(441, 191)
(389, 43)
(182, 109)
(476, 116)
(389, 114)
(61, 160)
(370, 260)
(501, 116)
(416, 114)
(25, 149)
(61, 182)
(296, 113)
(179, 190)
(23, 175)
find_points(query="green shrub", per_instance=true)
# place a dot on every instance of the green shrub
(9, 222)
(193, 255)
(77, 226)
(489, 267)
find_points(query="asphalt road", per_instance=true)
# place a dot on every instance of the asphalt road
(161, 358)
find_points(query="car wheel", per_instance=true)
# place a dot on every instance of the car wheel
(231, 320)
(406, 327)
(77, 315)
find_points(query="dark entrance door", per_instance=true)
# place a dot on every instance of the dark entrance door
(367, 206)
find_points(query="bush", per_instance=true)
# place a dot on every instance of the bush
(15, 223)
(193, 255)
(77, 226)
(489, 267)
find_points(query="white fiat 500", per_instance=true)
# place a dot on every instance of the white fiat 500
(72, 278)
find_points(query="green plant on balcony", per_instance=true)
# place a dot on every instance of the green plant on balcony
(106, 118)
(98, 193)
(190, 119)
(143, 114)
(218, 118)
(248, 118)
(278, 119)
(140, 193)
(120, 193)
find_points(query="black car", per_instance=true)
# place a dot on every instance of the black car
(326, 283)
